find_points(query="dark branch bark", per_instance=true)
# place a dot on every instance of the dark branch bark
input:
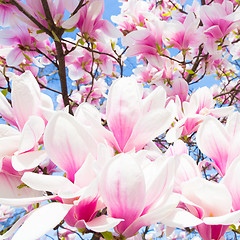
(80, 5)
(60, 54)
(48, 14)
(196, 64)
(62, 74)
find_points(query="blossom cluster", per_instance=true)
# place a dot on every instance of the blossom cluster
(147, 149)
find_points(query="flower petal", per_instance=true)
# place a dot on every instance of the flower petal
(25, 97)
(103, 223)
(68, 143)
(31, 133)
(28, 160)
(123, 109)
(41, 221)
(123, 189)
(213, 141)
(50, 183)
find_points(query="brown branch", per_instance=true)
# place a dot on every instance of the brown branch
(196, 64)
(60, 54)
(80, 5)
(180, 10)
(48, 14)
(173, 59)
(62, 75)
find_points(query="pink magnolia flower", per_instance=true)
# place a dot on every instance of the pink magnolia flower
(133, 14)
(159, 76)
(73, 149)
(215, 210)
(128, 115)
(19, 150)
(19, 36)
(90, 21)
(79, 62)
(139, 191)
(218, 20)
(145, 42)
(27, 100)
(183, 35)
(193, 111)
(220, 143)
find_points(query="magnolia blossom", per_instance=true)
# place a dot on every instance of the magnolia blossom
(27, 100)
(193, 111)
(140, 192)
(128, 115)
(90, 22)
(215, 210)
(218, 20)
(146, 42)
(78, 192)
(133, 14)
(218, 142)
(183, 35)
(20, 37)
(72, 148)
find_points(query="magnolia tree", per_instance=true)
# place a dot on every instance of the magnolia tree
(138, 157)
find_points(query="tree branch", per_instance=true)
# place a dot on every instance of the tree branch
(60, 54)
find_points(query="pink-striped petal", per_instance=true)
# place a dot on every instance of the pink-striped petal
(68, 143)
(143, 132)
(213, 141)
(123, 109)
(123, 189)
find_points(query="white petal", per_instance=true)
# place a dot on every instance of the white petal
(25, 97)
(6, 110)
(31, 133)
(181, 219)
(28, 160)
(10, 232)
(51, 183)
(22, 202)
(72, 21)
(103, 223)
(41, 221)
(228, 219)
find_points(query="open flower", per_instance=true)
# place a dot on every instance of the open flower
(211, 202)
(140, 192)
